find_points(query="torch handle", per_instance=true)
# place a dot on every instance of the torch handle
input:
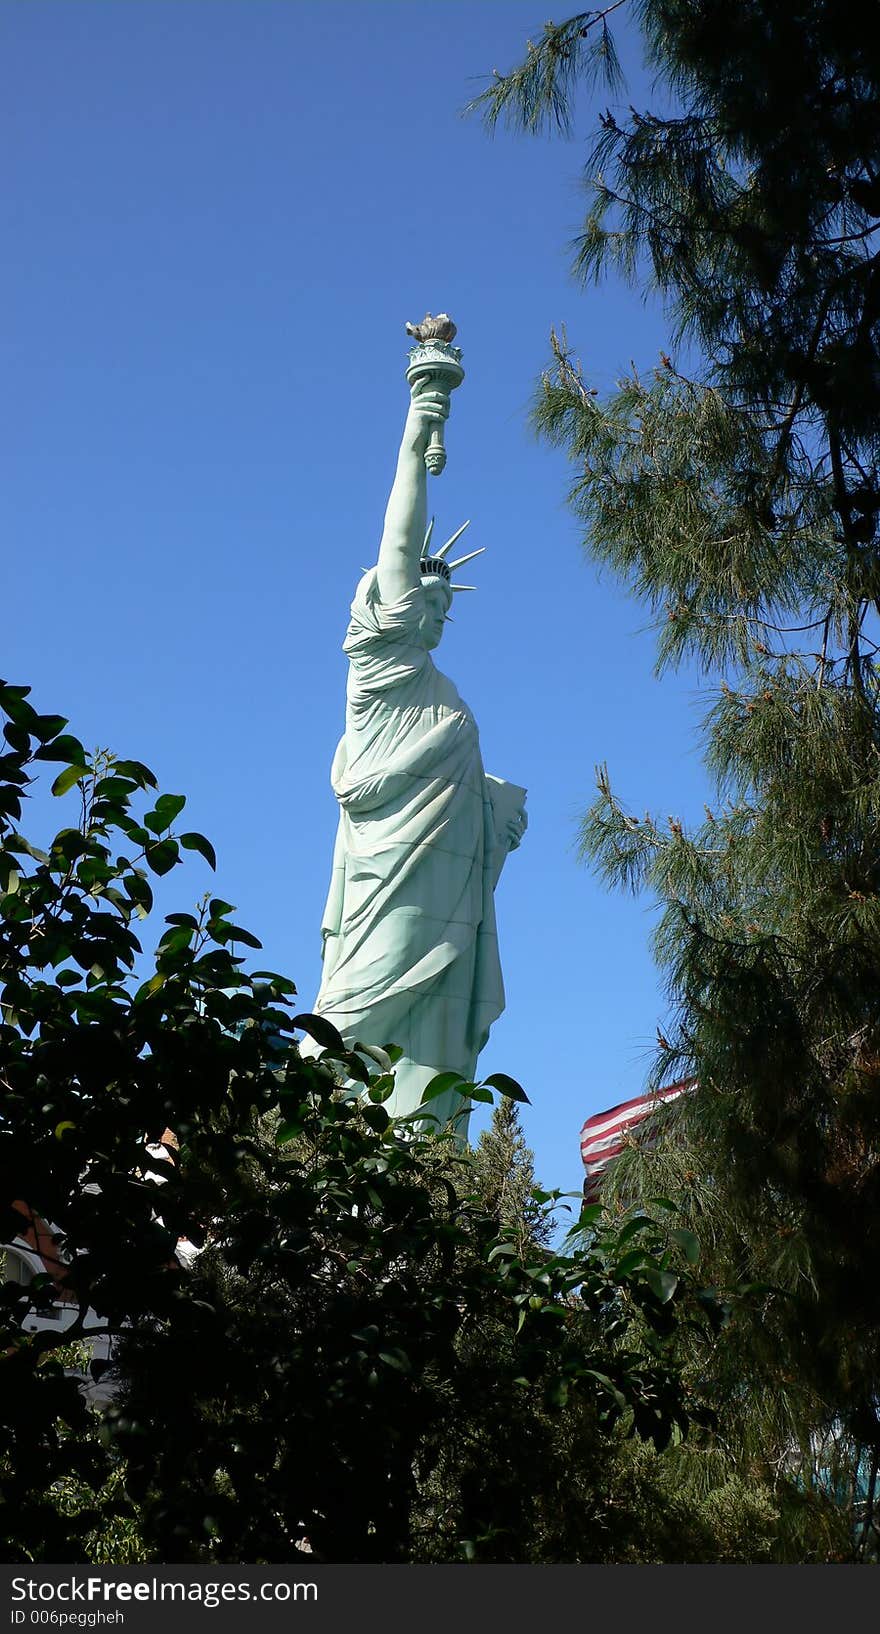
(439, 365)
(435, 453)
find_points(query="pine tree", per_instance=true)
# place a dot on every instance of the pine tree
(738, 497)
(505, 1169)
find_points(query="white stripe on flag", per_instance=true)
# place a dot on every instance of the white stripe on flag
(603, 1135)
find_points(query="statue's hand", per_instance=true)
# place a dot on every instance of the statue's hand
(429, 407)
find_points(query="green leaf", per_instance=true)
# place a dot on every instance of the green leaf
(502, 1250)
(607, 1384)
(662, 1284)
(354, 1066)
(373, 1053)
(508, 1087)
(132, 830)
(45, 727)
(636, 1256)
(19, 846)
(687, 1241)
(66, 779)
(137, 771)
(440, 1085)
(287, 1131)
(63, 748)
(381, 1088)
(632, 1227)
(323, 1032)
(197, 842)
(476, 1092)
(150, 987)
(175, 939)
(397, 1359)
(170, 805)
(19, 738)
(115, 789)
(376, 1118)
(280, 984)
(162, 855)
(236, 933)
(140, 891)
(366, 1336)
(167, 807)
(12, 702)
(590, 1213)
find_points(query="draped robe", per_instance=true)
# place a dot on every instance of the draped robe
(410, 943)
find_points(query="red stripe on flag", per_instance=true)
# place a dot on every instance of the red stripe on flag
(603, 1136)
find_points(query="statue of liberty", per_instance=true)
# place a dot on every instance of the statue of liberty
(410, 945)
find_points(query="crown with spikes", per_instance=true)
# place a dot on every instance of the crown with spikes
(436, 566)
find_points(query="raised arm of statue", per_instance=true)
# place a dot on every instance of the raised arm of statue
(406, 514)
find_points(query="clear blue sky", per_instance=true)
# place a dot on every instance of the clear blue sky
(217, 215)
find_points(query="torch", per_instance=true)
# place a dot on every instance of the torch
(437, 360)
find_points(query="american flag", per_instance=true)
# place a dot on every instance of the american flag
(604, 1136)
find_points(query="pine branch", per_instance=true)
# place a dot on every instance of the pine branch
(537, 94)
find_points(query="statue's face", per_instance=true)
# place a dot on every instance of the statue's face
(437, 604)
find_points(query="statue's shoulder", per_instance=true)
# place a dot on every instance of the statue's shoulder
(377, 623)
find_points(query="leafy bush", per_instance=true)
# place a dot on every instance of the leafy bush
(354, 1307)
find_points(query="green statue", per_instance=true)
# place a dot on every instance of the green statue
(410, 944)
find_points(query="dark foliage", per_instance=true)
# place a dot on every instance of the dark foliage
(351, 1300)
